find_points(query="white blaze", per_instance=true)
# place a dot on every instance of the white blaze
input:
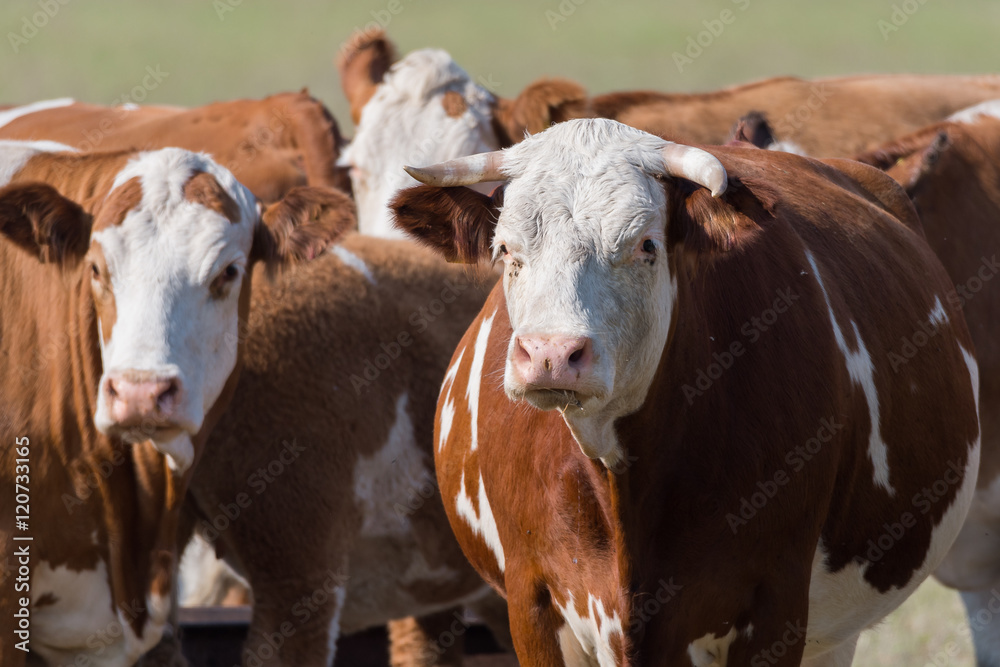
(161, 260)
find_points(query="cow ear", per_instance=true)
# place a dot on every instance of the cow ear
(541, 104)
(35, 217)
(753, 129)
(702, 222)
(363, 61)
(456, 222)
(303, 225)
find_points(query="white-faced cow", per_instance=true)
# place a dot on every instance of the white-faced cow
(674, 436)
(119, 339)
(423, 109)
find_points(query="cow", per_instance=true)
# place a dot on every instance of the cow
(951, 170)
(425, 108)
(271, 145)
(426, 98)
(317, 485)
(674, 435)
(125, 277)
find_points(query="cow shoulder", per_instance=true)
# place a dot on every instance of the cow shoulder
(36, 218)
(880, 189)
(456, 222)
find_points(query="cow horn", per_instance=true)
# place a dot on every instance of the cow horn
(695, 165)
(462, 171)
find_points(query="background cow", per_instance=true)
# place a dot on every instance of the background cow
(317, 485)
(951, 170)
(118, 331)
(271, 145)
(425, 108)
(718, 463)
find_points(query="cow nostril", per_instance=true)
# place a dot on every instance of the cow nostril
(575, 357)
(169, 394)
(522, 351)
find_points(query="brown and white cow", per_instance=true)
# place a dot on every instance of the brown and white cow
(425, 108)
(119, 328)
(271, 145)
(674, 436)
(318, 484)
(951, 171)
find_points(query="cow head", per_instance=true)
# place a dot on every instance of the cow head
(167, 262)
(582, 232)
(425, 109)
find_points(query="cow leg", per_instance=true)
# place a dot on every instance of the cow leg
(535, 623)
(982, 608)
(428, 641)
(296, 623)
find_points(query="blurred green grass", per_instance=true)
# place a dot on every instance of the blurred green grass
(97, 50)
(928, 630)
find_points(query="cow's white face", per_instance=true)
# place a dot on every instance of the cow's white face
(168, 255)
(582, 233)
(427, 109)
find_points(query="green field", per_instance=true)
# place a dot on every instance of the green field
(205, 50)
(98, 50)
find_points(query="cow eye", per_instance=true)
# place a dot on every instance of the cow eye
(95, 272)
(649, 246)
(503, 249)
(222, 281)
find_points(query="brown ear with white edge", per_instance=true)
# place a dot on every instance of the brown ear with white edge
(303, 225)
(456, 222)
(363, 61)
(35, 217)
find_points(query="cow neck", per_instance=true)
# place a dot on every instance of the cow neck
(634, 492)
